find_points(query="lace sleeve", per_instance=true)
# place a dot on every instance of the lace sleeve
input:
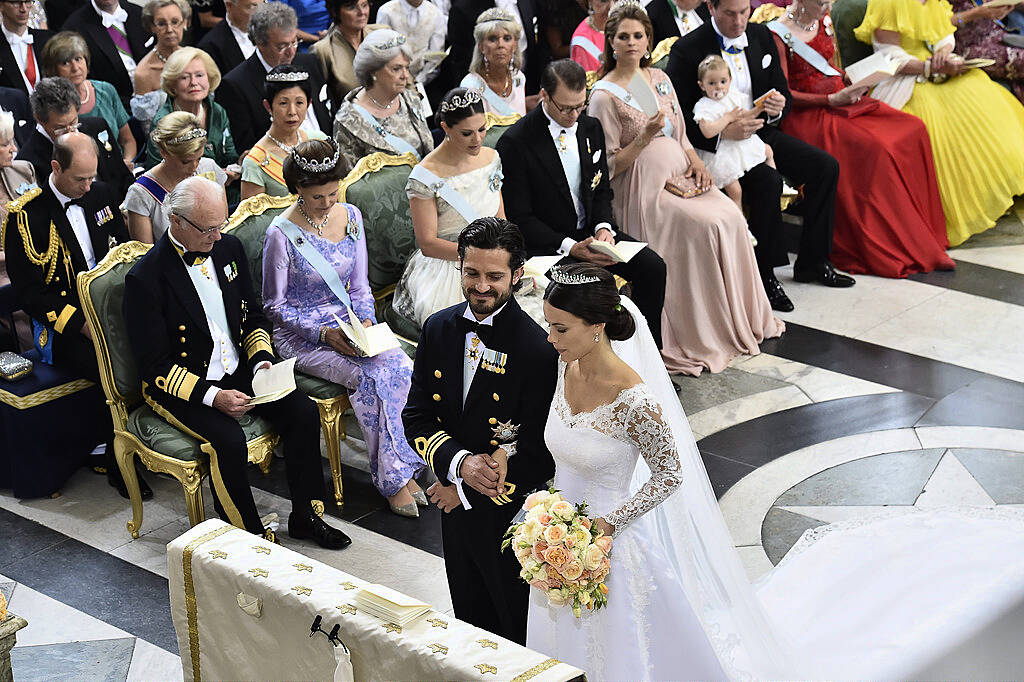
(645, 427)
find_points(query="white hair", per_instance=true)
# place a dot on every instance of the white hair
(6, 125)
(189, 193)
(372, 56)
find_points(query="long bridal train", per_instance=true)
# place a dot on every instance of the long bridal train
(929, 595)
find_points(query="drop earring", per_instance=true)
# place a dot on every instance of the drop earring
(648, 55)
(300, 202)
(597, 337)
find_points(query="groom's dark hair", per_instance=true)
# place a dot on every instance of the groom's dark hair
(494, 233)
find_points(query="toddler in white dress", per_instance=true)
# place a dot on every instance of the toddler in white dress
(717, 109)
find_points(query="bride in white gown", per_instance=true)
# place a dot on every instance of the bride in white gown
(929, 595)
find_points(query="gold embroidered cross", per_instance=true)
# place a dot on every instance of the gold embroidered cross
(299, 589)
(485, 643)
(484, 668)
(393, 627)
(437, 623)
(217, 554)
(259, 572)
(348, 585)
(303, 567)
(439, 648)
(261, 549)
(346, 608)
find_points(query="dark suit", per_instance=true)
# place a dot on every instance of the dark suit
(663, 19)
(219, 42)
(171, 341)
(484, 583)
(55, 303)
(10, 72)
(57, 12)
(540, 203)
(241, 95)
(16, 102)
(105, 63)
(462, 16)
(110, 167)
(798, 161)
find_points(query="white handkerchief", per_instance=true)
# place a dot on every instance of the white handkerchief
(597, 156)
(766, 61)
(323, 92)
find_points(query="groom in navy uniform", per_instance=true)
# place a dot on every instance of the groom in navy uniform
(481, 387)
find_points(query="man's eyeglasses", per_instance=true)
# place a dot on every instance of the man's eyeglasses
(576, 109)
(64, 130)
(203, 230)
(284, 47)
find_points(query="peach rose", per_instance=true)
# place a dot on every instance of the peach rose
(557, 598)
(585, 522)
(555, 533)
(563, 510)
(556, 556)
(533, 499)
(538, 550)
(606, 564)
(569, 541)
(572, 570)
(544, 519)
(592, 558)
(605, 543)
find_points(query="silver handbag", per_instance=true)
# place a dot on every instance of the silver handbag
(13, 366)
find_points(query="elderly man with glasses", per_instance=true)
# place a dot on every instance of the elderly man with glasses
(273, 29)
(199, 338)
(558, 189)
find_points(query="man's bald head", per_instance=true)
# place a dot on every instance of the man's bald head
(197, 207)
(75, 158)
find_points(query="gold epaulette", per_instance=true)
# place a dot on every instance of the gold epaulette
(17, 206)
(47, 259)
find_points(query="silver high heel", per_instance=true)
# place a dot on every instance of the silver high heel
(421, 498)
(407, 510)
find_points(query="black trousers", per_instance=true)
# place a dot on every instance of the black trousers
(802, 164)
(646, 275)
(484, 582)
(75, 353)
(293, 417)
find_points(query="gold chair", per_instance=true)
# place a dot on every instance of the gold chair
(138, 430)
(496, 126)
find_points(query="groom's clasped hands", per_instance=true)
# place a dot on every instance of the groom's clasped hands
(483, 472)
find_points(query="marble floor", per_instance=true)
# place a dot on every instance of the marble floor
(887, 398)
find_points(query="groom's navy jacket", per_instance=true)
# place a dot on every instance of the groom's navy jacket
(437, 424)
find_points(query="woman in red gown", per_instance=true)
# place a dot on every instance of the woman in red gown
(889, 219)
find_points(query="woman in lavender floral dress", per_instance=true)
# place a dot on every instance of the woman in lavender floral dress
(313, 258)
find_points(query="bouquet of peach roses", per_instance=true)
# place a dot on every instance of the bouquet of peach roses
(561, 551)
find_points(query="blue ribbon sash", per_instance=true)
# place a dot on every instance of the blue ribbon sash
(314, 258)
(396, 142)
(806, 52)
(441, 188)
(618, 91)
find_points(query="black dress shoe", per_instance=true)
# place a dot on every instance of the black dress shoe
(827, 275)
(303, 526)
(115, 480)
(777, 295)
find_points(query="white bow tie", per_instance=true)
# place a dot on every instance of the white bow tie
(28, 38)
(740, 42)
(120, 16)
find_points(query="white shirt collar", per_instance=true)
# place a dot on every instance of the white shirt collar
(740, 42)
(42, 131)
(554, 127)
(267, 67)
(119, 16)
(13, 37)
(489, 320)
(61, 197)
(408, 8)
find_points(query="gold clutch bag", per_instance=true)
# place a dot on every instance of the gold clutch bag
(13, 366)
(683, 186)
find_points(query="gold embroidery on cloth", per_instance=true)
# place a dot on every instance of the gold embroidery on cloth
(439, 648)
(191, 611)
(485, 668)
(259, 572)
(348, 585)
(437, 623)
(302, 589)
(486, 643)
(346, 608)
(261, 549)
(536, 670)
(303, 567)
(393, 627)
(218, 554)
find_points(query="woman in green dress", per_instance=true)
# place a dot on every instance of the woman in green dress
(66, 55)
(287, 94)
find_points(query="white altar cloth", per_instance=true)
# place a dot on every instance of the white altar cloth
(211, 564)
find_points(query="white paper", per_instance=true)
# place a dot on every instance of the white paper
(371, 340)
(644, 94)
(622, 252)
(538, 265)
(274, 383)
(871, 70)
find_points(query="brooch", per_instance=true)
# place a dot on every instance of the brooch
(25, 186)
(495, 180)
(299, 241)
(231, 271)
(662, 88)
(505, 432)
(596, 181)
(104, 137)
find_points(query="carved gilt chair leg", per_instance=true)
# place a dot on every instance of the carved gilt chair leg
(124, 453)
(192, 485)
(333, 427)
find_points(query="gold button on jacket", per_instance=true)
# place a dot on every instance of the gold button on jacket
(437, 397)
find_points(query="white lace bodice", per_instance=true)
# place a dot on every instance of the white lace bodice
(596, 452)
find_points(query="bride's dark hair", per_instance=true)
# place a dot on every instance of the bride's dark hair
(594, 302)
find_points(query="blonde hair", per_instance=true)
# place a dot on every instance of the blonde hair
(179, 61)
(712, 62)
(490, 27)
(6, 125)
(175, 125)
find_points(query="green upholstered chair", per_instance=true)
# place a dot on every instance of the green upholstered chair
(376, 186)
(846, 16)
(496, 125)
(249, 224)
(138, 429)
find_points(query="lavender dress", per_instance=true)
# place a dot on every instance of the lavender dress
(299, 302)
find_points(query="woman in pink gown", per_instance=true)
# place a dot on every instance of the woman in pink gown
(715, 306)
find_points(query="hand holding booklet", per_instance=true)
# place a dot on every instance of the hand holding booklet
(370, 340)
(620, 252)
(390, 605)
(871, 71)
(274, 383)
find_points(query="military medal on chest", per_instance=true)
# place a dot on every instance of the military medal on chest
(505, 432)
(493, 361)
(473, 352)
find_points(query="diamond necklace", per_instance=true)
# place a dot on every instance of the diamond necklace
(319, 228)
(811, 28)
(287, 148)
(385, 107)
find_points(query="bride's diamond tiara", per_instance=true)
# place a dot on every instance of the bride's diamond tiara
(560, 276)
(288, 77)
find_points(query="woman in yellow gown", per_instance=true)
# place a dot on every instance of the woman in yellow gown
(976, 126)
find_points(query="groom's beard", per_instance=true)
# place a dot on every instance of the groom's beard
(486, 306)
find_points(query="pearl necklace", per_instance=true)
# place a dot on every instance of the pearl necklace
(385, 107)
(319, 228)
(286, 148)
(812, 28)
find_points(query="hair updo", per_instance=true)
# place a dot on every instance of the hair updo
(451, 114)
(595, 302)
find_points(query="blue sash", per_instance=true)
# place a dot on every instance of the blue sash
(442, 189)
(397, 143)
(314, 258)
(588, 46)
(624, 95)
(498, 105)
(153, 187)
(806, 52)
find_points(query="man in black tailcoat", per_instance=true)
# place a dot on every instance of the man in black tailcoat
(556, 144)
(481, 387)
(673, 18)
(199, 336)
(749, 50)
